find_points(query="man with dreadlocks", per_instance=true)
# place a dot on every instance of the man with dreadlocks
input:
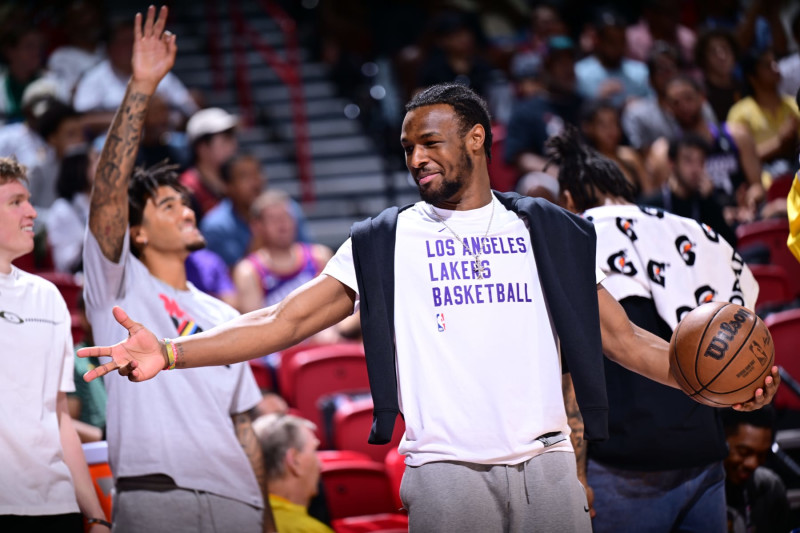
(469, 301)
(661, 468)
(182, 451)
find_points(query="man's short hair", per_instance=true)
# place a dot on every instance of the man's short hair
(226, 171)
(49, 113)
(688, 80)
(470, 108)
(266, 199)
(690, 140)
(12, 170)
(764, 418)
(277, 434)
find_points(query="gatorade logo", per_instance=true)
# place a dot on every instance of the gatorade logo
(704, 294)
(625, 225)
(725, 334)
(652, 211)
(684, 247)
(682, 312)
(655, 271)
(712, 235)
(620, 264)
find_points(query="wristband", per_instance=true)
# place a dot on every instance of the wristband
(100, 521)
(170, 364)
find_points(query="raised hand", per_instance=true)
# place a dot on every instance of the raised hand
(153, 49)
(139, 357)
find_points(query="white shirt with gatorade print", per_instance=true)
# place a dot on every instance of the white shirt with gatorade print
(478, 367)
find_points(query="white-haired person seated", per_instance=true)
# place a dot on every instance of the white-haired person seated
(292, 468)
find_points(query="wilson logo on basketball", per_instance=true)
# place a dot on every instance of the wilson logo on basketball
(725, 334)
(625, 225)
(620, 264)
(684, 247)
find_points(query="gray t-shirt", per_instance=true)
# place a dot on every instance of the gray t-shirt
(178, 423)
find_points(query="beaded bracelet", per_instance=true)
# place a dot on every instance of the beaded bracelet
(170, 365)
(100, 521)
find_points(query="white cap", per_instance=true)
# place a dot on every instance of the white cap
(41, 88)
(208, 122)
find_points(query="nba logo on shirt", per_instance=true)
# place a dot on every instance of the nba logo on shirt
(440, 321)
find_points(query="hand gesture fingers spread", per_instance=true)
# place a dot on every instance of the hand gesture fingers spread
(153, 49)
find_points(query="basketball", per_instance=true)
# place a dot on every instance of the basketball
(720, 353)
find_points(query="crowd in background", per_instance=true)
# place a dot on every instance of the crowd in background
(695, 101)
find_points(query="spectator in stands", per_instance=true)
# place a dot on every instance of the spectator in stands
(44, 482)
(155, 146)
(689, 191)
(661, 467)
(789, 66)
(226, 227)
(756, 496)
(52, 130)
(732, 162)
(607, 73)
(207, 271)
(539, 185)
(202, 462)
(600, 125)
(526, 64)
(282, 264)
(646, 119)
(660, 22)
(101, 89)
(211, 134)
(83, 25)
(87, 405)
(67, 217)
(293, 470)
(771, 118)
(23, 50)
(536, 119)
(760, 26)
(715, 55)
(454, 56)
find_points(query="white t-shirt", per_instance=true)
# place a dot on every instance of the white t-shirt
(36, 364)
(479, 373)
(68, 63)
(178, 423)
(66, 225)
(103, 89)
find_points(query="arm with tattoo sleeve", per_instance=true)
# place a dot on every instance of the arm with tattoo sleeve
(153, 56)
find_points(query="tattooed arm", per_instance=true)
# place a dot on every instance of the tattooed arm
(575, 421)
(153, 56)
(242, 423)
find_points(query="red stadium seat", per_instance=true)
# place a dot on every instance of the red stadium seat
(780, 187)
(380, 523)
(96, 454)
(352, 422)
(335, 456)
(773, 285)
(67, 286)
(773, 234)
(785, 330)
(395, 468)
(286, 356)
(321, 371)
(262, 373)
(356, 488)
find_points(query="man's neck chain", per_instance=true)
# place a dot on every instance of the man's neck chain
(477, 266)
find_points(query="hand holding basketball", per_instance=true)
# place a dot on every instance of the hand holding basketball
(721, 354)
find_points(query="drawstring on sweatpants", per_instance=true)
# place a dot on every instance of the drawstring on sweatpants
(525, 480)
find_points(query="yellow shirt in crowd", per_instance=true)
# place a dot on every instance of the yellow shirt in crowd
(293, 518)
(761, 123)
(793, 206)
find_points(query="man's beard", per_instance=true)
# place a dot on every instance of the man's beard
(199, 244)
(448, 189)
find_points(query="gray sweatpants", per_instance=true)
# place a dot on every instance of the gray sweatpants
(178, 511)
(539, 495)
